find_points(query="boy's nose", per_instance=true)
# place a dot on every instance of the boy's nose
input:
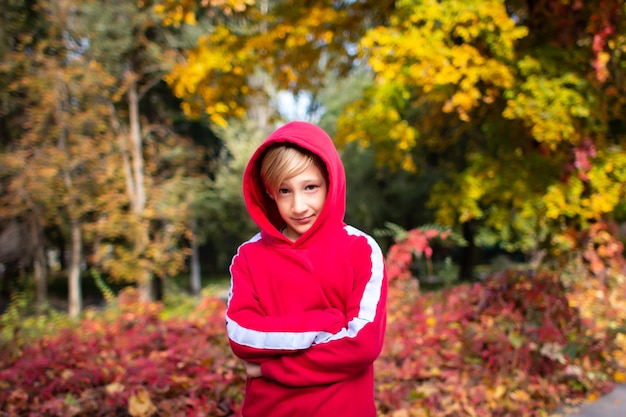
(298, 203)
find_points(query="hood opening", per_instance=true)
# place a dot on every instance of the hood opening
(262, 207)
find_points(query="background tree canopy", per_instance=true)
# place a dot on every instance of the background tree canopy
(125, 125)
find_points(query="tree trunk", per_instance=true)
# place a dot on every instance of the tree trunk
(40, 266)
(260, 87)
(258, 107)
(75, 292)
(138, 200)
(468, 254)
(72, 209)
(195, 261)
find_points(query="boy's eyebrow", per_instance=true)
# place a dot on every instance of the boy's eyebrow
(311, 178)
(305, 182)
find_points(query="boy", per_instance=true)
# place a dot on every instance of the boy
(306, 309)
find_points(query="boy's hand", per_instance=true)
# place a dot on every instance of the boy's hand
(253, 370)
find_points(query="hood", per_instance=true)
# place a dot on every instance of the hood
(263, 209)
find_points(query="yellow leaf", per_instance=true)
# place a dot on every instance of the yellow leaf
(520, 396)
(114, 388)
(427, 389)
(221, 107)
(469, 410)
(140, 405)
(593, 397)
(190, 18)
(418, 412)
(218, 120)
(499, 392)
(434, 371)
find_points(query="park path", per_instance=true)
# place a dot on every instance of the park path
(611, 405)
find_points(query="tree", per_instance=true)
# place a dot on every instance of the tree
(295, 44)
(376, 194)
(76, 92)
(223, 220)
(162, 169)
(507, 100)
(135, 60)
(51, 164)
(19, 28)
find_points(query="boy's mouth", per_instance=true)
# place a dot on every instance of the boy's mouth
(304, 220)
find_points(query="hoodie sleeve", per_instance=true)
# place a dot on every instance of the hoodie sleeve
(356, 345)
(254, 336)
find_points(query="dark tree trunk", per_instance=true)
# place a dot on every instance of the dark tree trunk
(468, 254)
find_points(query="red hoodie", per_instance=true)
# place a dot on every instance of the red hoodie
(311, 312)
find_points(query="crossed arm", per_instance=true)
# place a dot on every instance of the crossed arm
(311, 347)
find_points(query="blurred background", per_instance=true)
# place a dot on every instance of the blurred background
(125, 127)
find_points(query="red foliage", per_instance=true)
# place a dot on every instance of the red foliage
(511, 346)
(100, 369)
(602, 250)
(414, 244)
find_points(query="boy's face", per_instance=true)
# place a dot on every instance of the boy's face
(300, 200)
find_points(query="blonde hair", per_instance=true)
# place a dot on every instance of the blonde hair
(283, 161)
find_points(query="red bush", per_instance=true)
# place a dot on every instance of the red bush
(133, 365)
(511, 346)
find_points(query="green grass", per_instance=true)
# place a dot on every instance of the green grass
(24, 319)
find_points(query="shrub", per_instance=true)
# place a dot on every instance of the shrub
(132, 362)
(510, 346)
(518, 344)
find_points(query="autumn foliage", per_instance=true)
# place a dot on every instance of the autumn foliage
(135, 364)
(515, 345)
(520, 343)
